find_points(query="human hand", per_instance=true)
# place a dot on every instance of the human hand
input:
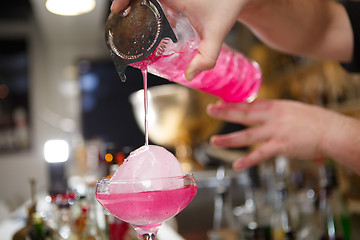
(283, 127)
(212, 19)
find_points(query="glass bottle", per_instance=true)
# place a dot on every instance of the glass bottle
(80, 221)
(308, 227)
(223, 219)
(256, 227)
(39, 230)
(233, 79)
(282, 226)
(92, 230)
(335, 224)
(22, 234)
(66, 224)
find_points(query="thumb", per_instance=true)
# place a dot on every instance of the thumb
(208, 52)
(119, 5)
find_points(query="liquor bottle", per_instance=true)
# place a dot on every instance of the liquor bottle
(332, 220)
(92, 230)
(308, 226)
(257, 227)
(39, 230)
(223, 221)
(80, 221)
(282, 226)
(22, 234)
(66, 230)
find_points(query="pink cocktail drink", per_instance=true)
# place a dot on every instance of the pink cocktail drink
(147, 208)
(233, 79)
(146, 203)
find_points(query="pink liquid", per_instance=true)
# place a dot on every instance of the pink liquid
(234, 78)
(146, 104)
(147, 208)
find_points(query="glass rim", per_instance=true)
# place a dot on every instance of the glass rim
(107, 180)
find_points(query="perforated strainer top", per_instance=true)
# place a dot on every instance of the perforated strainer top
(133, 34)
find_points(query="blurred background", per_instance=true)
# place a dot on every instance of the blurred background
(61, 100)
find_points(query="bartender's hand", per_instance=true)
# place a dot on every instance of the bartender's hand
(212, 19)
(293, 129)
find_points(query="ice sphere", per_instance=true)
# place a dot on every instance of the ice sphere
(145, 163)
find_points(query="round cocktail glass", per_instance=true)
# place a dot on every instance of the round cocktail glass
(146, 204)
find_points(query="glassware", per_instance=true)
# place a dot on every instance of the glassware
(23, 233)
(307, 229)
(66, 229)
(233, 79)
(282, 225)
(257, 224)
(145, 204)
(92, 230)
(333, 224)
(39, 230)
(224, 226)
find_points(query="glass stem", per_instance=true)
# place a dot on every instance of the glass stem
(148, 236)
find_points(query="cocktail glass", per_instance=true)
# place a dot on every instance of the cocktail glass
(146, 204)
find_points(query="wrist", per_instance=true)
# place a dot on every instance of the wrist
(341, 140)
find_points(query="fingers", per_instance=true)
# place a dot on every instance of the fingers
(242, 138)
(209, 50)
(253, 113)
(118, 5)
(260, 154)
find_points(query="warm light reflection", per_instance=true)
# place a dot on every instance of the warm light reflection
(120, 157)
(70, 7)
(109, 157)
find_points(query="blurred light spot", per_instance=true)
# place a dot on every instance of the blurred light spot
(89, 82)
(109, 157)
(70, 7)
(120, 157)
(310, 193)
(48, 199)
(56, 151)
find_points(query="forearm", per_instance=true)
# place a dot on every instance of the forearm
(316, 28)
(341, 142)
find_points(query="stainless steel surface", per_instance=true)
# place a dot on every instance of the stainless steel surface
(176, 119)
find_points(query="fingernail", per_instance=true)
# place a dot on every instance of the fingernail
(239, 165)
(214, 110)
(113, 6)
(216, 141)
(190, 75)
